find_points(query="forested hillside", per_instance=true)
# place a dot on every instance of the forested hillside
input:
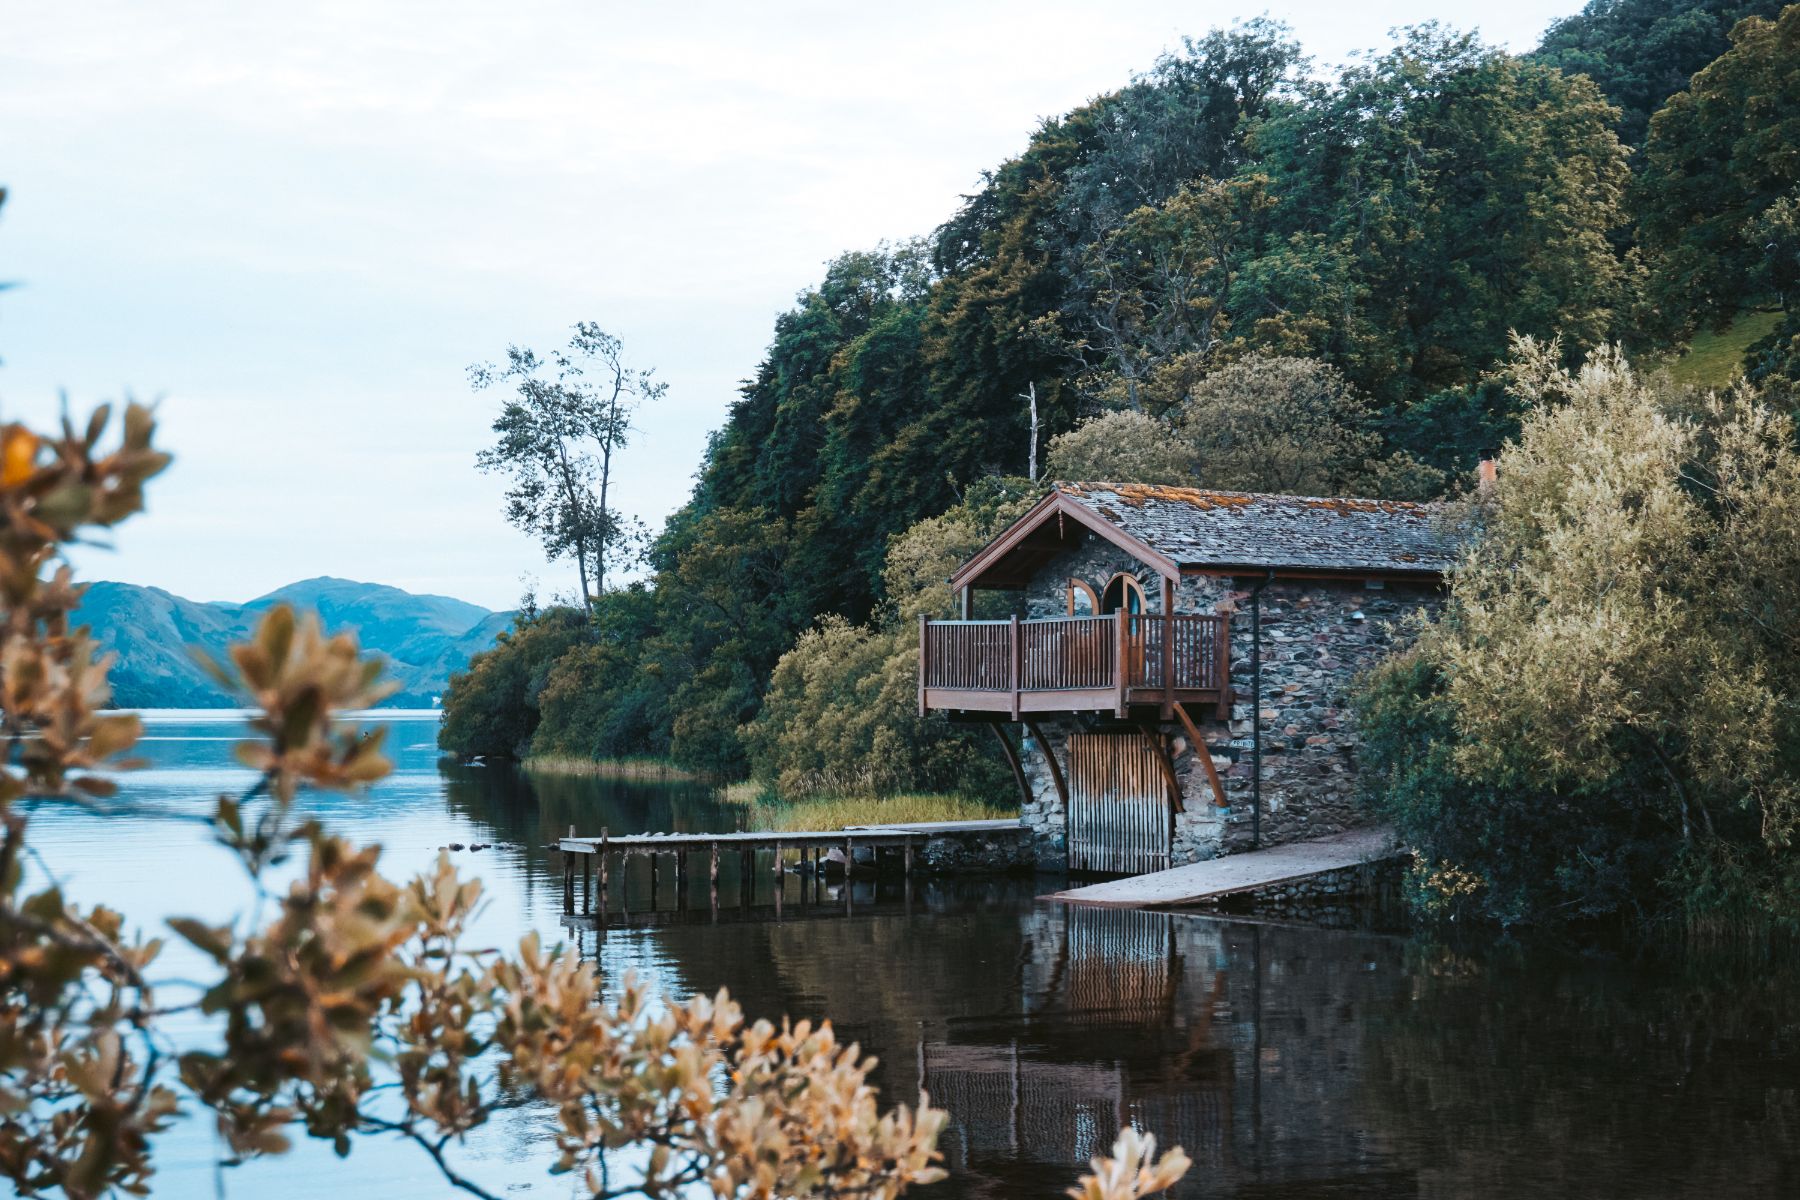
(1237, 269)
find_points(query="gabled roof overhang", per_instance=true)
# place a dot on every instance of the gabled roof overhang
(1010, 559)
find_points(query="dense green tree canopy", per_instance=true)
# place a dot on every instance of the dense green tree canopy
(1434, 199)
(1721, 160)
(492, 708)
(1641, 52)
(840, 715)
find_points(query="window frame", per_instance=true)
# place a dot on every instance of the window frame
(1129, 584)
(1086, 589)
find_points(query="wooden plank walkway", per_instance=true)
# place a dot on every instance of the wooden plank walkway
(1215, 878)
(862, 835)
(582, 855)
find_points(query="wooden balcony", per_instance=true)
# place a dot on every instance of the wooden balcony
(1074, 664)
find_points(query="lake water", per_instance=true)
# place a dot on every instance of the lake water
(1290, 1062)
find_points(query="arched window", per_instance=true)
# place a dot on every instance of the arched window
(1122, 591)
(1082, 600)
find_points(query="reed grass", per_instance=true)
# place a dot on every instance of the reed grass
(745, 794)
(606, 768)
(776, 815)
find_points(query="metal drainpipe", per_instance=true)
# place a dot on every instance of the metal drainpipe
(1256, 709)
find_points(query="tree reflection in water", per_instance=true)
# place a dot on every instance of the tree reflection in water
(1289, 1061)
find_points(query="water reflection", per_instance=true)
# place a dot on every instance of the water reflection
(1289, 1061)
(536, 809)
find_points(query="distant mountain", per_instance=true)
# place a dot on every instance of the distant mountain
(154, 634)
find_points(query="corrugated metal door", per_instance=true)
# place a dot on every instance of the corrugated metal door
(1119, 813)
(1121, 964)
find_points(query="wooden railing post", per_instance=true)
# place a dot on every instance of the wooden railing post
(924, 657)
(1121, 660)
(1222, 667)
(1018, 664)
(1168, 649)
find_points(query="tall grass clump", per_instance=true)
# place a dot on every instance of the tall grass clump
(606, 768)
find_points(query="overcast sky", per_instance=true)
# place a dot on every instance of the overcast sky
(297, 225)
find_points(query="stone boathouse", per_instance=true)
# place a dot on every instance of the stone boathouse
(1178, 662)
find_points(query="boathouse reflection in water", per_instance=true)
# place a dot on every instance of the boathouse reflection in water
(1159, 1021)
(1074, 1021)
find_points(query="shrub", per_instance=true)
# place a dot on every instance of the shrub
(1296, 426)
(841, 712)
(1121, 447)
(1604, 719)
(491, 709)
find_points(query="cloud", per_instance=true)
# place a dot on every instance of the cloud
(301, 224)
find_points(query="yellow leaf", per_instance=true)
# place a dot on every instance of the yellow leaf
(18, 455)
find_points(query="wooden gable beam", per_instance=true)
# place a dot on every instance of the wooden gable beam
(1058, 505)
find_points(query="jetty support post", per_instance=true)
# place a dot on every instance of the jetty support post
(602, 873)
(569, 877)
(712, 876)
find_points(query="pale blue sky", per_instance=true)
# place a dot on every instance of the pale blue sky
(299, 224)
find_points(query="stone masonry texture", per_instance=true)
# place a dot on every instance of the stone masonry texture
(1318, 637)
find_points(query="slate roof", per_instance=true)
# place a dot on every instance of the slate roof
(1196, 528)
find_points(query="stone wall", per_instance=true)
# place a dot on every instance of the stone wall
(1318, 637)
(1336, 898)
(1094, 560)
(970, 853)
(1043, 813)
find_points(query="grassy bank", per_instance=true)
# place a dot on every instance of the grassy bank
(834, 812)
(1714, 359)
(607, 768)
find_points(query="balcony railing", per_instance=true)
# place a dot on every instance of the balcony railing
(1073, 663)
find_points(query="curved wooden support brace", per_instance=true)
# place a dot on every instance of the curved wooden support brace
(1204, 755)
(1159, 746)
(1056, 773)
(1014, 761)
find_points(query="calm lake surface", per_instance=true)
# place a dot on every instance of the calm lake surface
(1290, 1062)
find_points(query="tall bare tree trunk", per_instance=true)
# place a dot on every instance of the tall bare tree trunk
(581, 566)
(1031, 458)
(608, 441)
(605, 517)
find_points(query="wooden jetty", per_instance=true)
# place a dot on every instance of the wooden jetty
(1233, 874)
(589, 857)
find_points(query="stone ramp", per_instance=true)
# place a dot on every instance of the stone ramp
(1234, 873)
